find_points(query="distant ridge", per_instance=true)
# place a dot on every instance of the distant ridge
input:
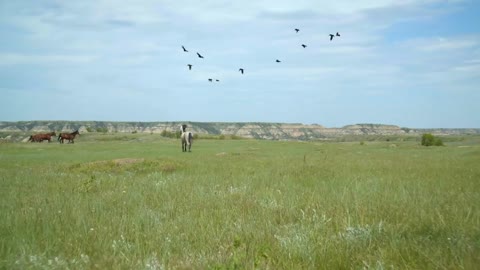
(257, 130)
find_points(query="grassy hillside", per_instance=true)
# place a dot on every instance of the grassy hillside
(135, 201)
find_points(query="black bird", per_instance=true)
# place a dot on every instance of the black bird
(217, 80)
(185, 50)
(278, 61)
(337, 34)
(189, 67)
(241, 70)
(304, 46)
(331, 36)
(199, 55)
(296, 30)
(210, 80)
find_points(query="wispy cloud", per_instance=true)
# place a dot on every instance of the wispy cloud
(7, 59)
(444, 44)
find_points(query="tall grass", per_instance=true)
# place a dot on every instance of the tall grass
(138, 202)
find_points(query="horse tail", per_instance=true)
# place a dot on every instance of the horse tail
(190, 138)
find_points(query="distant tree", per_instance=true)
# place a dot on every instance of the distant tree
(430, 140)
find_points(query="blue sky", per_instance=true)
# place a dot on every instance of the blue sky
(411, 63)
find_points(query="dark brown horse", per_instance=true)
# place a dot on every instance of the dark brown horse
(42, 137)
(68, 136)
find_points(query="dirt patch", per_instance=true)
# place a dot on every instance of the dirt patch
(131, 165)
(123, 161)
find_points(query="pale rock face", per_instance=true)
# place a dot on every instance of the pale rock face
(269, 131)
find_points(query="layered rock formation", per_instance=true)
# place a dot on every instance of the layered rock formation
(269, 131)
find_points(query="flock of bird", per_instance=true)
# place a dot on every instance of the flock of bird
(242, 70)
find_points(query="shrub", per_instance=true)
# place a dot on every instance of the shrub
(438, 142)
(170, 134)
(429, 140)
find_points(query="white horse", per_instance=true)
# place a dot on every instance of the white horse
(187, 139)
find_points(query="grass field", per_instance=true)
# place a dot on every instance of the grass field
(136, 201)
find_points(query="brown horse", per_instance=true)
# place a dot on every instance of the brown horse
(68, 136)
(42, 137)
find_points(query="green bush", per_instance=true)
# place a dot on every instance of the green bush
(429, 140)
(170, 134)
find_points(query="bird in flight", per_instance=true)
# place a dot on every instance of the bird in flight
(278, 61)
(217, 80)
(210, 80)
(189, 66)
(296, 30)
(337, 34)
(199, 55)
(304, 46)
(241, 70)
(185, 50)
(331, 36)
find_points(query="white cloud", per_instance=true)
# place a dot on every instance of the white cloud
(446, 44)
(29, 59)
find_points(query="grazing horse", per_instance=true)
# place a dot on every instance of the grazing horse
(42, 137)
(68, 136)
(187, 139)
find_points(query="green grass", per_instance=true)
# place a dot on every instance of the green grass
(135, 201)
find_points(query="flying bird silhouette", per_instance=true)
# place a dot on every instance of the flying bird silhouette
(241, 70)
(210, 80)
(189, 66)
(304, 46)
(278, 61)
(337, 34)
(185, 50)
(199, 55)
(217, 80)
(331, 36)
(296, 30)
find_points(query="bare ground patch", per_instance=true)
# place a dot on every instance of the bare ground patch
(132, 165)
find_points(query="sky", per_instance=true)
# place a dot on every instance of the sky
(411, 63)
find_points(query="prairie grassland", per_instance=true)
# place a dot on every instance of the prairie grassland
(137, 202)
